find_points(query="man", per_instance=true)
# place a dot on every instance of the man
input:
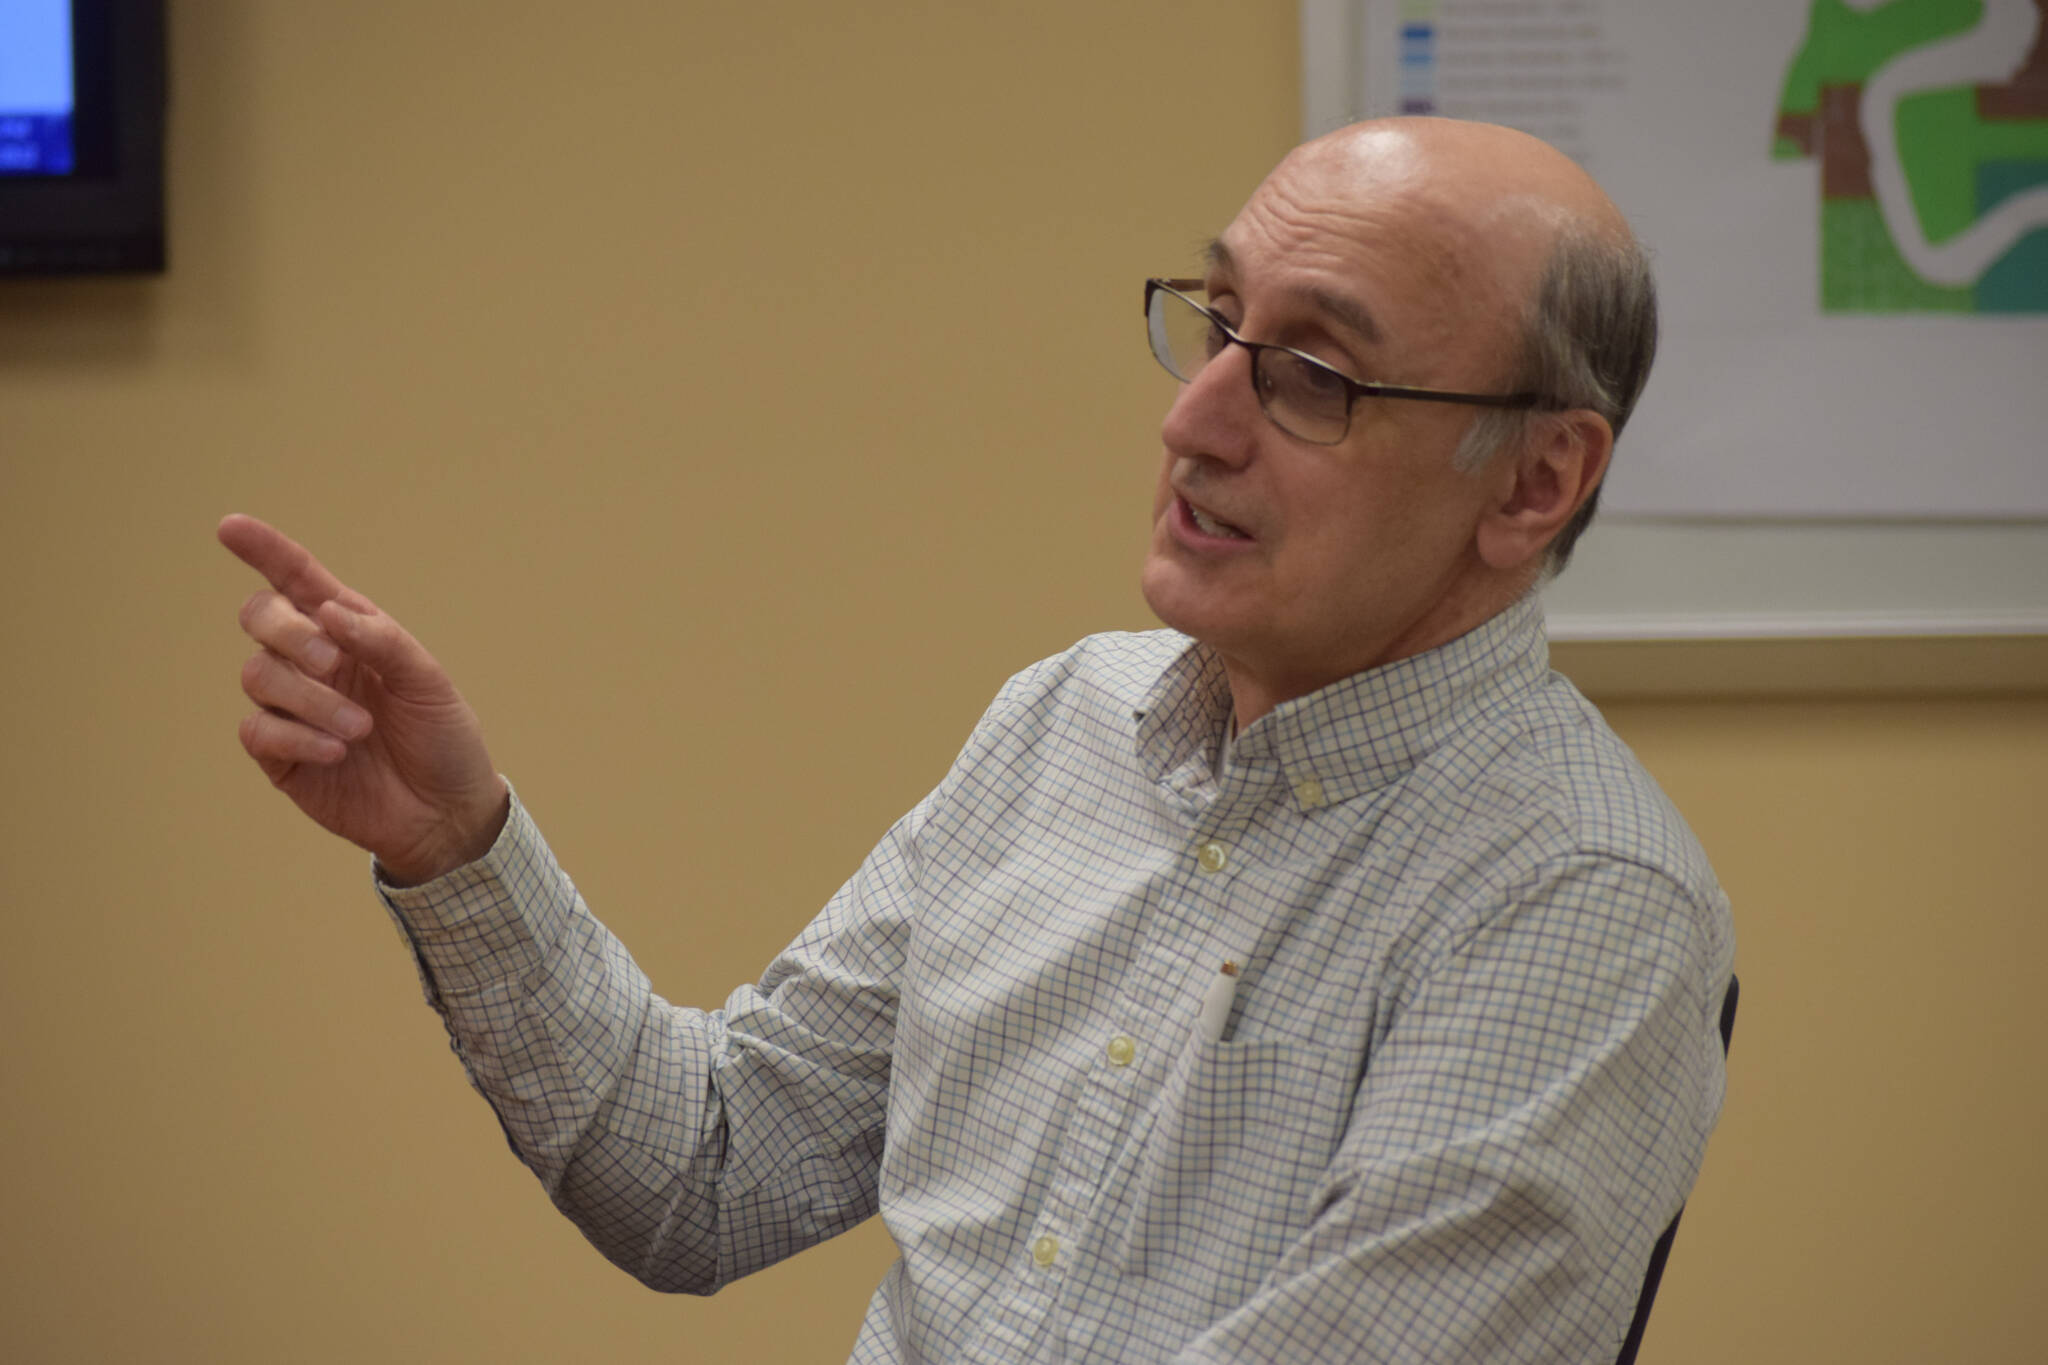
(1317, 980)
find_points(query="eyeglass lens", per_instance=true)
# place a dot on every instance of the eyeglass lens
(1301, 397)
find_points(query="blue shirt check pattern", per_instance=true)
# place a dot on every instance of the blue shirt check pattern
(1468, 1074)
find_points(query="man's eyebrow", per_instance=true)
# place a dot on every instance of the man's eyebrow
(1348, 311)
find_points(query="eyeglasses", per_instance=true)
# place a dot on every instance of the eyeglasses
(1298, 393)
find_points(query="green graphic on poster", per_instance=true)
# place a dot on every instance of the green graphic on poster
(1930, 122)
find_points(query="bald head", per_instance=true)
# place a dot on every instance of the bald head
(1493, 202)
(1517, 240)
(1489, 173)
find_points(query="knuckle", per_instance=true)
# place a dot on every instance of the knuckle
(270, 619)
(256, 673)
(248, 614)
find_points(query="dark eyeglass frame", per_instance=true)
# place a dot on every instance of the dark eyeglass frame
(1354, 389)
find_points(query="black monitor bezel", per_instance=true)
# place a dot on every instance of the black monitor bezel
(107, 215)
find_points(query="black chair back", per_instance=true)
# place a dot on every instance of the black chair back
(1662, 1253)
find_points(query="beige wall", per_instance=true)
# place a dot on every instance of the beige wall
(733, 402)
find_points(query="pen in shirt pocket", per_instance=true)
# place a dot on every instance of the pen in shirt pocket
(1215, 1016)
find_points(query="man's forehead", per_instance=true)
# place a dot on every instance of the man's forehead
(1340, 306)
(1394, 224)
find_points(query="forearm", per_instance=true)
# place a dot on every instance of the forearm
(690, 1146)
(603, 1089)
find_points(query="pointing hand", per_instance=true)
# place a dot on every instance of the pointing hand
(357, 723)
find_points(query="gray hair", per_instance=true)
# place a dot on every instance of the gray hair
(1588, 337)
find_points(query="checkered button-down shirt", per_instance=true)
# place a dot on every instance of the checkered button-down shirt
(1464, 1075)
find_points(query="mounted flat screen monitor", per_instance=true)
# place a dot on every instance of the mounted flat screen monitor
(81, 136)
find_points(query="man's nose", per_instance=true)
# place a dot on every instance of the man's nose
(1216, 414)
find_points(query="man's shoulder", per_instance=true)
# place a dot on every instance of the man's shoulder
(1066, 716)
(1117, 669)
(1552, 762)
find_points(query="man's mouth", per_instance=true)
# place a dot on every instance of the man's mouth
(1213, 526)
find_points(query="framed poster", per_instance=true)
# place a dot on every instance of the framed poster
(1847, 205)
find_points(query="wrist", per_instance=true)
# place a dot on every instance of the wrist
(469, 840)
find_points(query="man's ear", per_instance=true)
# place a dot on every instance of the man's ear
(1555, 470)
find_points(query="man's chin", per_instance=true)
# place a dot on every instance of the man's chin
(1163, 593)
(1188, 607)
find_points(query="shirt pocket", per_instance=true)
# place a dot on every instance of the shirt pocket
(1231, 1168)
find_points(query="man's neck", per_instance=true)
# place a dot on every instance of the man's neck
(1256, 690)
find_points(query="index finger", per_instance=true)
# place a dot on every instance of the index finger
(288, 565)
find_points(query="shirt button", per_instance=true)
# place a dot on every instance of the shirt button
(1211, 856)
(1309, 793)
(1045, 1250)
(1121, 1050)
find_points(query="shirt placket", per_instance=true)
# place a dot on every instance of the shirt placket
(1095, 1190)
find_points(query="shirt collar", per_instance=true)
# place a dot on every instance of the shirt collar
(1357, 734)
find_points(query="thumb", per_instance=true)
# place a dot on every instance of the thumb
(377, 640)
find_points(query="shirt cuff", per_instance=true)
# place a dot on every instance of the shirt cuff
(487, 922)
